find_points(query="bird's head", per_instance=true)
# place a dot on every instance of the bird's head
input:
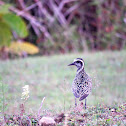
(78, 62)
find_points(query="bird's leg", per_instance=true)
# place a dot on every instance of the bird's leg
(85, 103)
(75, 102)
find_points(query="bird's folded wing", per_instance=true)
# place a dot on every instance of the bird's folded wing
(83, 97)
(75, 93)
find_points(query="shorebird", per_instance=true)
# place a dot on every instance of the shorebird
(82, 84)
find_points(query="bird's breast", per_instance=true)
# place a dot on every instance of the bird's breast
(82, 85)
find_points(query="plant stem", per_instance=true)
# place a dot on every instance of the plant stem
(3, 108)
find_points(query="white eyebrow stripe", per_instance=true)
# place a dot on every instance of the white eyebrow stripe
(78, 60)
(75, 60)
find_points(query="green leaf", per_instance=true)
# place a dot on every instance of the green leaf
(5, 34)
(108, 120)
(16, 23)
(4, 9)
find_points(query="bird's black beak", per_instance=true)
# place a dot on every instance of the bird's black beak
(71, 64)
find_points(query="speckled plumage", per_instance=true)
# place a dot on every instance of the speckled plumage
(82, 84)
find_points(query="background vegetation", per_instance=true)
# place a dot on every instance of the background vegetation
(91, 29)
(60, 26)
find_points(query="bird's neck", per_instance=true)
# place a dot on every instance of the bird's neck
(81, 69)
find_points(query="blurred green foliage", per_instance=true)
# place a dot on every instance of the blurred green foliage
(67, 27)
(10, 22)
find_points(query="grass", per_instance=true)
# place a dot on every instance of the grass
(50, 77)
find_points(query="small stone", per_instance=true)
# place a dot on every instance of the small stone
(47, 121)
(59, 118)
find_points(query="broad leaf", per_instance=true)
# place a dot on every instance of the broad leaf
(5, 34)
(4, 9)
(16, 23)
(23, 47)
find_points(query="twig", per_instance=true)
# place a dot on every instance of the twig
(64, 2)
(29, 8)
(22, 4)
(43, 10)
(58, 14)
(40, 107)
(32, 20)
(71, 9)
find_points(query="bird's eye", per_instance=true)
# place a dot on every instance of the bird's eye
(78, 62)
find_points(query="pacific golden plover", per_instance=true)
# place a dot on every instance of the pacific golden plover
(82, 84)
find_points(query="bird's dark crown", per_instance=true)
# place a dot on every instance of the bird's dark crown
(80, 59)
